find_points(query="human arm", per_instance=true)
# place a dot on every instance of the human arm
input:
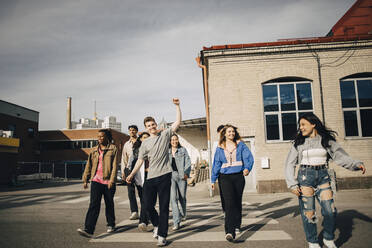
(343, 159)
(114, 169)
(137, 166)
(247, 158)
(216, 167)
(177, 123)
(290, 167)
(87, 171)
(187, 168)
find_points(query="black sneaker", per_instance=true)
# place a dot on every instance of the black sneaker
(84, 233)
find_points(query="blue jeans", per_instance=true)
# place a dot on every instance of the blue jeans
(309, 177)
(178, 194)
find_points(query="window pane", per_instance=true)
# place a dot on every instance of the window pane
(365, 93)
(287, 101)
(270, 96)
(289, 126)
(347, 94)
(304, 99)
(366, 119)
(351, 124)
(272, 127)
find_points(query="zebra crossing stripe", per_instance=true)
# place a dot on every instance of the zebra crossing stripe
(193, 236)
(81, 199)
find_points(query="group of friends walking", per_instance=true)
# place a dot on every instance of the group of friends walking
(157, 166)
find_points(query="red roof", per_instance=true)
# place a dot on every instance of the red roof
(356, 24)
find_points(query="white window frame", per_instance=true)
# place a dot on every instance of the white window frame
(356, 109)
(280, 112)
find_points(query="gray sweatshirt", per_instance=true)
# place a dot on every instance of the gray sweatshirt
(335, 152)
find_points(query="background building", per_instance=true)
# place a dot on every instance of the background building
(263, 88)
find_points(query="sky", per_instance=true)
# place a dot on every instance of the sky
(133, 56)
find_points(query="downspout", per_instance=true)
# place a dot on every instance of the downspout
(206, 100)
(320, 85)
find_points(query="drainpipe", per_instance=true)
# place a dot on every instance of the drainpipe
(320, 85)
(206, 100)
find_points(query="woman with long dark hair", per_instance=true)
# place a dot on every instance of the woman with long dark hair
(181, 166)
(232, 161)
(100, 170)
(312, 147)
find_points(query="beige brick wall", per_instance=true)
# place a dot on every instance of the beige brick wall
(235, 93)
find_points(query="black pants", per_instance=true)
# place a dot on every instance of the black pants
(132, 193)
(221, 196)
(232, 187)
(96, 192)
(153, 187)
(144, 216)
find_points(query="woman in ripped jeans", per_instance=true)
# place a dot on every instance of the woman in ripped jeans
(313, 145)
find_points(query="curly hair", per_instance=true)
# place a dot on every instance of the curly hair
(222, 141)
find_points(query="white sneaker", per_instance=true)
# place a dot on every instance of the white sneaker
(329, 243)
(176, 227)
(155, 232)
(314, 245)
(162, 241)
(110, 229)
(142, 227)
(229, 237)
(237, 231)
(134, 216)
(84, 233)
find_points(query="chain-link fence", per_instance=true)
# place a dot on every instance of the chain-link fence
(47, 170)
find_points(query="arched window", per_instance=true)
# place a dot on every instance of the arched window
(285, 99)
(356, 97)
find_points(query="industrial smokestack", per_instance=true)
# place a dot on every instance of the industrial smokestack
(68, 121)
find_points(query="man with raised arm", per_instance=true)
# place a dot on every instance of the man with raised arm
(158, 182)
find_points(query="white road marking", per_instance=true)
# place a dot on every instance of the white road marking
(81, 199)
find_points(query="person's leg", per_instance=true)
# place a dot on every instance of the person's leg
(328, 210)
(164, 185)
(150, 195)
(96, 191)
(239, 183)
(174, 199)
(227, 193)
(307, 209)
(108, 195)
(132, 197)
(143, 214)
(221, 196)
(182, 186)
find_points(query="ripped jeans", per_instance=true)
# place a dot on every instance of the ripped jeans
(315, 184)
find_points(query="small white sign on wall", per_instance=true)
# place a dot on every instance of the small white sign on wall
(265, 163)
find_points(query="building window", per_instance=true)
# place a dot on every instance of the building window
(356, 97)
(284, 103)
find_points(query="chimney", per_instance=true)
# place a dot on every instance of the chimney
(68, 121)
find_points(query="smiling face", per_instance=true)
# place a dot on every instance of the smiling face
(132, 132)
(174, 141)
(307, 129)
(151, 127)
(230, 133)
(102, 138)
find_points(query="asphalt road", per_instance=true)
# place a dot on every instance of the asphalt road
(47, 214)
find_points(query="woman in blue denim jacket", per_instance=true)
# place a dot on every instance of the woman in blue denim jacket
(313, 146)
(181, 166)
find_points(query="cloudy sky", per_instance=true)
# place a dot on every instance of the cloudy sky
(133, 56)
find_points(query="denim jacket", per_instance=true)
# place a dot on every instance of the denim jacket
(183, 161)
(335, 152)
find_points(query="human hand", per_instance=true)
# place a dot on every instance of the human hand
(246, 172)
(110, 184)
(212, 186)
(362, 168)
(85, 185)
(176, 101)
(296, 190)
(129, 178)
(185, 177)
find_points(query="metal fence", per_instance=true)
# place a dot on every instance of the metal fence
(39, 170)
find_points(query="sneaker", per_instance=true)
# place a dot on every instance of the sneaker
(329, 243)
(134, 216)
(237, 231)
(314, 245)
(84, 233)
(142, 227)
(229, 237)
(176, 227)
(110, 229)
(155, 232)
(184, 218)
(162, 241)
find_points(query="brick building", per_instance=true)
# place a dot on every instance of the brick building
(266, 86)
